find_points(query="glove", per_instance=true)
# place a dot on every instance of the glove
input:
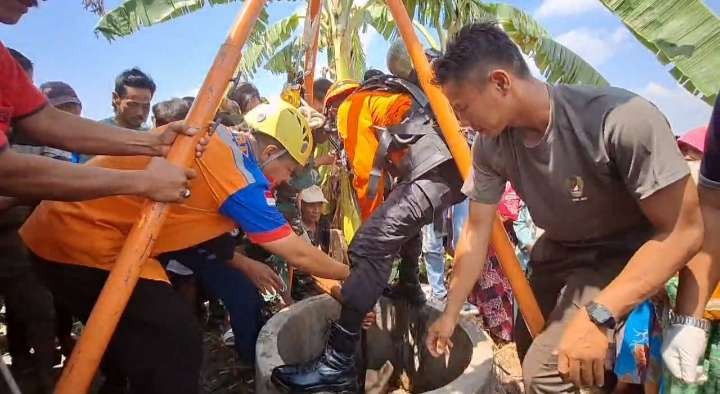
(683, 349)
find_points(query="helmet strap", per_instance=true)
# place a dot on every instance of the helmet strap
(272, 157)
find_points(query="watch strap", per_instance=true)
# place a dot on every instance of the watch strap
(600, 315)
(690, 321)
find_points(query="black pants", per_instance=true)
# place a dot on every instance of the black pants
(30, 322)
(157, 343)
(209, 261)
(29, 305)
(394, 230)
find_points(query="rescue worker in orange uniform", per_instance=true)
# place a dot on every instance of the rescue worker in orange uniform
(405, 178)
(157, 343)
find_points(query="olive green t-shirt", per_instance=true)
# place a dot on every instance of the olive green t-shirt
(605, 149)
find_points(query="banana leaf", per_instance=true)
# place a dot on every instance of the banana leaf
(684, 34)
(346, 211)
(131, 15)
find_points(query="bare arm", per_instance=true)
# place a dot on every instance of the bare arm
(675, 214)
(470, 255)
(59, 129)
(306, 257)
(468, 265)
(699, 278)
(42, 178)
(261, 275)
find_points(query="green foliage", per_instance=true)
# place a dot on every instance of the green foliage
(266, 41)
(277, 48)
(558, 63)
(682, 33)
(131, 15)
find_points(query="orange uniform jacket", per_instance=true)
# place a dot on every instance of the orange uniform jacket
(230, 191)
(357, 119)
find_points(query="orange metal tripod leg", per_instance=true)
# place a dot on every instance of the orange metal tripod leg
(80, 369)
(312, 33)
(459, 148)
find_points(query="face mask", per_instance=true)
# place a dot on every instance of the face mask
(275, 156)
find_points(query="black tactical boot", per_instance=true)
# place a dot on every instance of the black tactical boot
(333, 371)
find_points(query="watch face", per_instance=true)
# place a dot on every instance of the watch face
(600, 315)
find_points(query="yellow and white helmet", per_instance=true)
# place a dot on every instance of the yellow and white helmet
(286, 124)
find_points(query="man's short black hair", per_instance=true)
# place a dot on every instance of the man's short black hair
(479, 46)
(170, 111)
(243, 93)
(321, 87)
(133, 78)
(189, 99)
(22, 60)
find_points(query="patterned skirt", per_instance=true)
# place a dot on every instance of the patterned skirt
(494, 298)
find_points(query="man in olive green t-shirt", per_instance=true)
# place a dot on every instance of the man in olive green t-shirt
(600, 172)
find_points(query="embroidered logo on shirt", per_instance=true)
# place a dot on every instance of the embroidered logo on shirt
(244, 150)
(576, 188)
(269, 198)
(241, 144)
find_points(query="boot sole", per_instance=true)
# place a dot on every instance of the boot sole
(319, 389)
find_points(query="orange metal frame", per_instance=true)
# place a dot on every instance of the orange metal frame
(313, 24)
(83, 363)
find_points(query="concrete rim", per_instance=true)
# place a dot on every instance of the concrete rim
(474, 379)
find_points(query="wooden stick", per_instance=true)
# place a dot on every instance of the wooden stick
(461, 153)
(80, 369)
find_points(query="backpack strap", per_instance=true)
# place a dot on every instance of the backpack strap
(419, 122)
(390, 83)
(379, 161)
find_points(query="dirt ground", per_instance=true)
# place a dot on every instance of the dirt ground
(222, 373)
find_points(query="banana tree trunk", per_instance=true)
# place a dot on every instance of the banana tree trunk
(342, 64)
(341, 39)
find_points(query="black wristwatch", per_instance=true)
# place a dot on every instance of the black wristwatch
(600, 315)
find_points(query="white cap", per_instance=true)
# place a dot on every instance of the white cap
(312, 194)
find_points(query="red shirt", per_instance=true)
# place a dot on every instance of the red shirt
(18, 96)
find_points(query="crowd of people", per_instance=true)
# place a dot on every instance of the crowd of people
(615, 221)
